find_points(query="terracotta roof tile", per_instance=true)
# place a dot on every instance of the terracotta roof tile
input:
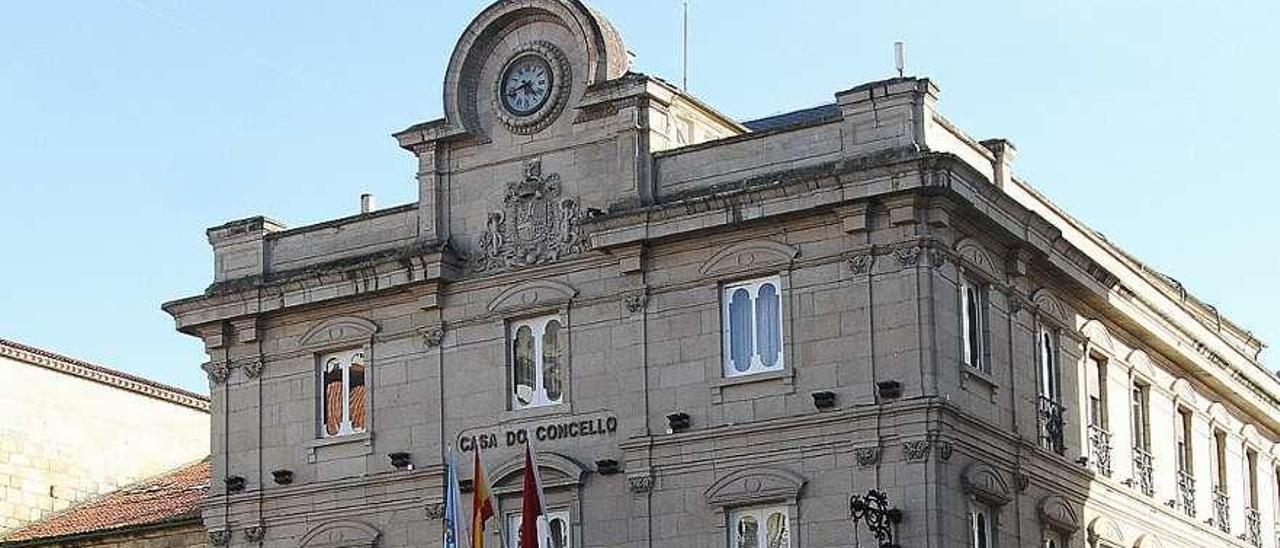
(172, 496)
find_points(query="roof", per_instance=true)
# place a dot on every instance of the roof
(104, 375)
(171, 497)
(805, 116)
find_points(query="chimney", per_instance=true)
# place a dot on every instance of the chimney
(366, 203)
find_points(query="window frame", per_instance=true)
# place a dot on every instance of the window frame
(1049, 363)
(512, 524)
(975, 330)
(762, 514)
(1098, 415)
(537, 324)
(1184, 435)
(755, 365)
(1140, 415)
(346, 428)
(989, 527)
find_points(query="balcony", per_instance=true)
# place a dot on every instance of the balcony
(1186, 493)
(1100, 449)
(1051, 425)
(1252, 527)
(1142, 465)
(1221, 510)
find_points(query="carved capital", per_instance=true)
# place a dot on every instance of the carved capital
(908, 256)
(915, 450)
(944, 450)
(635, 301)
(640, 484)
(220, 537)
(217, 371)
(435, 510)
(867, 456)
(255, 533)
(432, 335)
(861, 264)
(252, 368)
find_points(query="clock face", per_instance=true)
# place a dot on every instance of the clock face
(526, 85)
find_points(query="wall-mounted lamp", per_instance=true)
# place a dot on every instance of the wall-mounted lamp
(677, 422)
(606, 467)
(282, 477)
(400, 460)
(825, 399)
(235, 484)
(888, 390)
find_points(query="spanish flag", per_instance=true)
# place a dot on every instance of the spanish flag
(482, 507)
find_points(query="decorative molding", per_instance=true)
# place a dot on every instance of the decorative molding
(255, 533)
(344, 329)
(747, 255)
(915, 450)
(862, 263)
(219, 537)
(1049, 305)
(1057, 514)
(972, 253)
(556, 470)
(1098, 335)
(867, 456)
(1140, 363)
(1104, 532)
(100, 374)
(908, 256)
(432, 335)
(640, 484)
(535, 225)
(217, 371)
(435, 510)
(252, 368)
(986, 483)
(635, 301)
(533, 293)
(342, 533)
(1024, 481)
(756, 484)
(944, 450)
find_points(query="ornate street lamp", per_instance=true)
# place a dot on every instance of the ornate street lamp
(873, 510)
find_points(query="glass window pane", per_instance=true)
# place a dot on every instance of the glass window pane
(748, 530)
(779, 533)
(982, 532)
(332, 405)
(973, 327)
(551, 371)
(740, 330)
(355, 392)
(523, 366)
(559, 533)
(768, 326)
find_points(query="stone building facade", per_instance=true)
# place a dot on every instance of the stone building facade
(74, 430)
(717, 333)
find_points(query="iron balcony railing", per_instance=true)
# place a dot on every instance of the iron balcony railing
(1221, 509)
(1142, 465)
(1100, 449)
(1253, 527)
(1052, 425)
(1187, 493)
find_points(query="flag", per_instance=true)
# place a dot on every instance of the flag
(482, 506)
(533, 506)
(452, 499)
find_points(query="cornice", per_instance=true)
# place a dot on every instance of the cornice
(103, 375)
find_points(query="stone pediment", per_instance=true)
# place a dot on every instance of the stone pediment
(752, 485)
(746, 255)
(346, 329)
(1057, 514)
(986, 483)
(341, 534)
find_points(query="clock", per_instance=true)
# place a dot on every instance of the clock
(532, 88)
(526, 84)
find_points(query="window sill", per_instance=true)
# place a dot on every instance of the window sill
(363, 438)
(969, 373)
(786, 377)
(536, 412)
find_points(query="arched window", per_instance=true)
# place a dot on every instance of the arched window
(537, 350)
(752, 317)
(342, 380)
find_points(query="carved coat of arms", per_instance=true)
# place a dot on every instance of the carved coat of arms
(535, 225)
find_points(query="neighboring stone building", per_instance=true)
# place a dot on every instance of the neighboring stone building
(73, 430)
(718, 330)
(159, 512)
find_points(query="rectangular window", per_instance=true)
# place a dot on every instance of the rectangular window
(342, 405)
(1220, 460)
(1096, 374)
(982, 525)
(751, 313)
(1184, 441)
(767, 527)
(1141, 416)
(536, 347)
(553, 529)
(973, 324)
(1251, 472)
(1049, 368)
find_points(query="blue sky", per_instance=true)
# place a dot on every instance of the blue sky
(127, 127)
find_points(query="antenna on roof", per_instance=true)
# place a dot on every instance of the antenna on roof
(684, 49)
(900, 57)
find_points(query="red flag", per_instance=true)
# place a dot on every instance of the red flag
(532, 505)
(481, 502)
